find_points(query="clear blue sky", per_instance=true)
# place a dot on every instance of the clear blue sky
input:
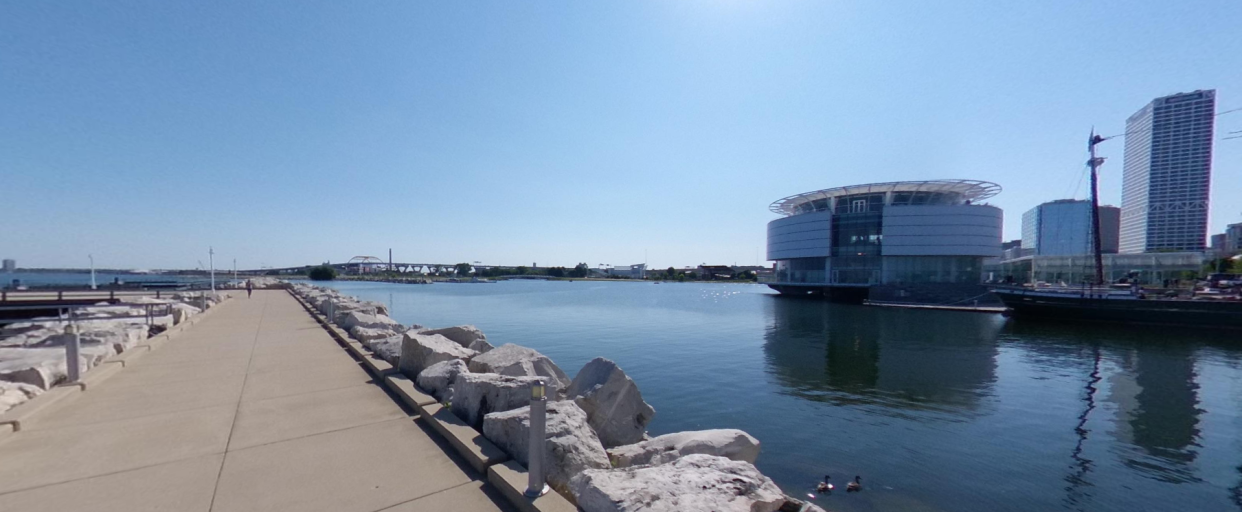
(284, 133)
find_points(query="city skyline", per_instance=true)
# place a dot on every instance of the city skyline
(561, 133)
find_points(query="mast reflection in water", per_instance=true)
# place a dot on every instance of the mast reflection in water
(961, 411)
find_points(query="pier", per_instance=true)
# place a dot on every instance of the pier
(254, 408)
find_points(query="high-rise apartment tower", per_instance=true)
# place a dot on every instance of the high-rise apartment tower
(1167, 174)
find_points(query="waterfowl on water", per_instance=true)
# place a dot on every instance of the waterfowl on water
(824, 486)
(854, 486)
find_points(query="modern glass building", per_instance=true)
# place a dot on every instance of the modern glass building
(1166, 175)
(1063, 228)
(882, 233)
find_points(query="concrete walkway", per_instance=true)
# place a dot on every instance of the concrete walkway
(254, 408)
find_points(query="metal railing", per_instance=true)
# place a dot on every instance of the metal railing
(68, 315)
(19, 295)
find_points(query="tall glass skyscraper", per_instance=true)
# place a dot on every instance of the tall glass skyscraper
(1167, 174)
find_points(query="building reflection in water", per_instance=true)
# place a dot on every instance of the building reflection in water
(895, 359)
(1151, 387)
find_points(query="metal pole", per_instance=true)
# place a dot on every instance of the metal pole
(92, 257)
(1096, 249)
(73, 348)
(211, 260)
(536, 483)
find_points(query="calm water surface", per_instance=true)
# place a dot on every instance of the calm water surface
(938, 411)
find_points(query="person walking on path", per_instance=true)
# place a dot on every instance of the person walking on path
(249, 288)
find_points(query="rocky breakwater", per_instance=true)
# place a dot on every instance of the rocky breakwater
(597, 451)
(32, 352)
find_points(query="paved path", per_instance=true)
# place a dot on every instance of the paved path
(254, 408)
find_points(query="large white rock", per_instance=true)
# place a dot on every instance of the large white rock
(612, 402)
(369, 334)
(694, 482)
(183, 312)
(729, 443)
(14, 393)
(361, 319)
(519, 361)
(438, 378)
(571, 445)
(478, 394)
(388, 349)
(379, 307)
(419, 351)
(39, 367)
(32, 335)
(467, 336)
(45, 367)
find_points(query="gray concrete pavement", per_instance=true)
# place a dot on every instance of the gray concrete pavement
(254, 408)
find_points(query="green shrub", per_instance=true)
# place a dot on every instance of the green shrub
(322, 273)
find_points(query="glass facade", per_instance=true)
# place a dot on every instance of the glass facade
(1150, 269)
(1167, 173)
(927, 244)
(801, 270)
(933, 269)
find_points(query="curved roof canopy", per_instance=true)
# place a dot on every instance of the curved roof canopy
(959, 191)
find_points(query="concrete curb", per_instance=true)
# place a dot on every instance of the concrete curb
(471, 444)
(408, 391)
(510, 479)
(508, 476)
(11, 420)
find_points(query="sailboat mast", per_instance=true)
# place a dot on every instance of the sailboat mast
(1095, 163)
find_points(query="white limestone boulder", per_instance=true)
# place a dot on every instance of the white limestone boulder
(366, 335)
(379, 307)
(728, 443)
(183, 312)
(13, 394)
(519, 361)
(419, 351)
(32, 335)
(38, 367)
(478, 394)
(438, 378)
(612, 402)
(694, 482)
(571, 445)
(388, 349)
(467, 336)
(369, 321)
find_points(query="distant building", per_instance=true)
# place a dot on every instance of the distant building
(1233, 237)
(1063, 228)
(1013, 249)
(1218, 245)
(638, 271)
(715, 272)
(10, 265)
(1166, 174)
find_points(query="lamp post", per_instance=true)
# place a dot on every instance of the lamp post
(211, 260)
(536, 485)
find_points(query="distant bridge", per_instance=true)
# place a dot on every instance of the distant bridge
(369, 264)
